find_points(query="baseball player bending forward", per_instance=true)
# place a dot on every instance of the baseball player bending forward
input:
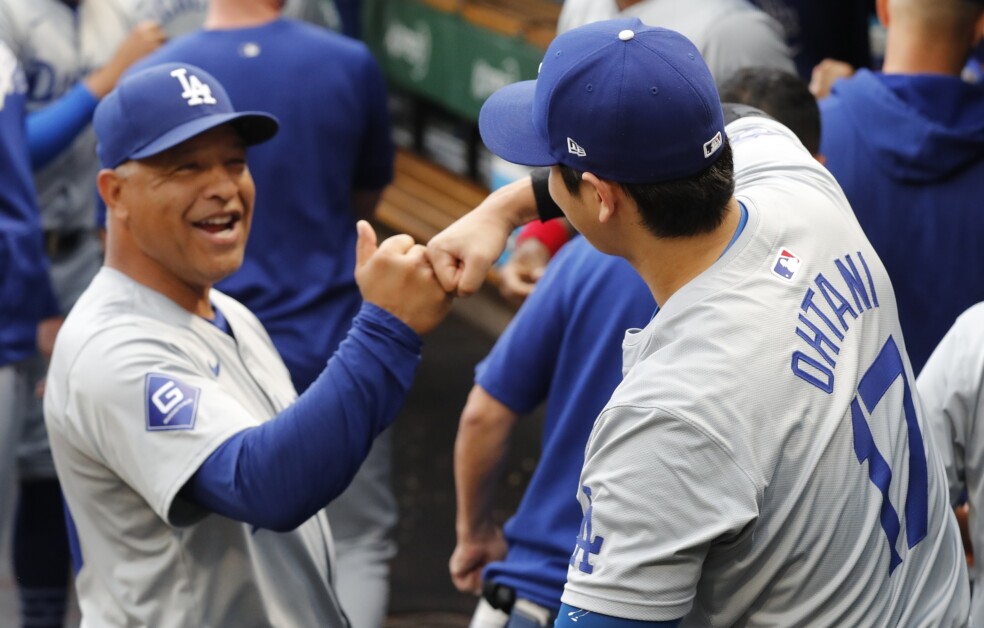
(763, 462)
(193, 476)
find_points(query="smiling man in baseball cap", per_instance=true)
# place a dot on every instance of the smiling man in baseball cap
(763, 461)
(195, 478)
(159, 133)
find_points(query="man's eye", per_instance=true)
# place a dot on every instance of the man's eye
(188, 167)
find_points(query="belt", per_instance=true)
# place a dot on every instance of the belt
(58, 243)
(503, 598)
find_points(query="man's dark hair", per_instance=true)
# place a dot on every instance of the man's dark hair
(782, 95)
(682, 207)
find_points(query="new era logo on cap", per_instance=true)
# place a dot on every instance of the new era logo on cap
(574, 149)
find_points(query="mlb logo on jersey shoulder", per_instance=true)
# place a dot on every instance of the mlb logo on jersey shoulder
(786, 264)
(171, 403)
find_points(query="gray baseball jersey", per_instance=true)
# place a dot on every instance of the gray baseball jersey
(763, 462)
(951, 387)
(730, 34)
(140, 392)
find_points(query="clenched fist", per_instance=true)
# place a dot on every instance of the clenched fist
(463, 253)
(397, 277)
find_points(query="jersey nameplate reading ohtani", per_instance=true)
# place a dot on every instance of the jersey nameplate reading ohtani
(818, 329)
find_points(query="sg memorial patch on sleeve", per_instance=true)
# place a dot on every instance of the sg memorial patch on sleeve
(171, 404)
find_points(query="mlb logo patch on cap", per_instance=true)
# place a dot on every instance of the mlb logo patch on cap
(171, 404)
(786, 264)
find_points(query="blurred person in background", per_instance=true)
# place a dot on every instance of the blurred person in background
(907, 146)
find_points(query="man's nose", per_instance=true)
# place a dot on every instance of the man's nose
(223, 184)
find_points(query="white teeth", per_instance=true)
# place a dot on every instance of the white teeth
(218, 220)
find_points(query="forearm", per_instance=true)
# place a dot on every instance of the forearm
(52, 129)
(279, 474)
(102, 80)
(480, 452)
(515, 203)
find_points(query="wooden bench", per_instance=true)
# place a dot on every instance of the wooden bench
(424, 198)
(535, 20)
(531, 10)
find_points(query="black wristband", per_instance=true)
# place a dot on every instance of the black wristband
(546, 208)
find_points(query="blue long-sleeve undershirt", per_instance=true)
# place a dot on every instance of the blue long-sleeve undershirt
(277, 475)
(52, 129)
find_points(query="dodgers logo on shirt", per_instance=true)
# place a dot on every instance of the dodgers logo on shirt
(786, 265)
(171, 404)
(587, 544)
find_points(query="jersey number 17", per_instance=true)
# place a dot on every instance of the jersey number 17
(874, 384)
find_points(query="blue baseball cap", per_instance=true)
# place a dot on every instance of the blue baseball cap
(161, 106)
(628, 102)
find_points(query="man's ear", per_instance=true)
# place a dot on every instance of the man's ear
(110, 186)
(605, 195)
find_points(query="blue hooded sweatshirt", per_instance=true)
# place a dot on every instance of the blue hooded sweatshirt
(909, 152)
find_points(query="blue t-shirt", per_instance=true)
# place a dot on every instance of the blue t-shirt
(909, 152)
(330, 97)
(26, 296)
(563, 346)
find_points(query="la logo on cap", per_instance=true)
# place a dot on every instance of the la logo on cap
(195, 92)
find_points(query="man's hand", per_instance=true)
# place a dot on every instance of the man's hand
(472, 555)
(397, 277)
(463, 253)
(144, 39)
(47, 332)
(825, 74)
(522, 270)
